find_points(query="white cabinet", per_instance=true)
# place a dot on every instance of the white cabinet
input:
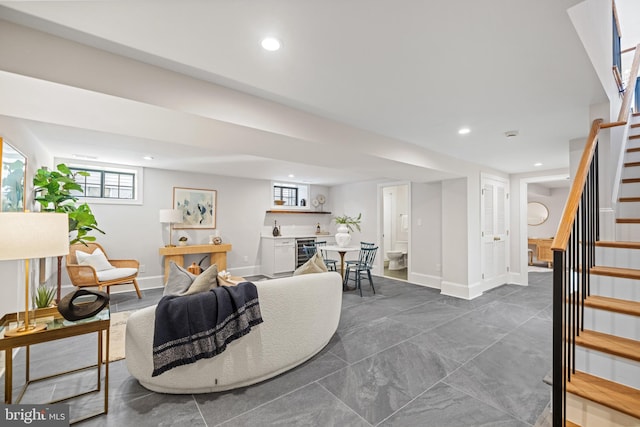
(278, 255)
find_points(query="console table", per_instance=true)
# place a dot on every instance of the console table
(57, 328)
(543, 249)
(218, 254)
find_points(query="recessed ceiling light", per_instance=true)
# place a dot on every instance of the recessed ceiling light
(271, 44)
(291, 175)
(537, 164)
(148, 157)
(464, 131)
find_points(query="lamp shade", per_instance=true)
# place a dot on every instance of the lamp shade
(28, 235)
(172, 216)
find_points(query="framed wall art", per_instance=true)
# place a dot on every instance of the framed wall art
(198, 207)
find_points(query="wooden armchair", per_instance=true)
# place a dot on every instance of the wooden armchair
(85, 275)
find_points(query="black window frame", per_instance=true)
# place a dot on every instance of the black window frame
(81, 180)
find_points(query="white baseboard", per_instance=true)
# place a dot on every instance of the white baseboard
(459, 290)
(425, 280)
(518, 279)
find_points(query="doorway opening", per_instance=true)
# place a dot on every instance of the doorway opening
(395, 231)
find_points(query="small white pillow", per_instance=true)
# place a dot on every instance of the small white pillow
(96, 260)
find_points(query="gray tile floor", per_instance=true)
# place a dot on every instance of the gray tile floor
(406, 356)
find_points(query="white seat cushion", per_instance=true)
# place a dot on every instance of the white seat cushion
(116, 273)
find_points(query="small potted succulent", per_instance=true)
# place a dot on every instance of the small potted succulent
(182, 241)
(44, 296)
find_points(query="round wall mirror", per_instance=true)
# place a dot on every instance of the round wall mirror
(537, 213)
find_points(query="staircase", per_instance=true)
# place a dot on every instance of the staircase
(605, 388)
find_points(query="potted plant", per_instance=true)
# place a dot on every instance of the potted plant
(54, 192)
(345, 225)
(182, 241)
(44, 296)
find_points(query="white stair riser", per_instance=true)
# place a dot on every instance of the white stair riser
(633, 156)
(615, 287)
(585, 412)
(608, 322)
(629, 190)
(618, 257)
(613, 368)
(628, 232)
(628, 209)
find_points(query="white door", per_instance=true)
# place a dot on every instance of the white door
(495, 231)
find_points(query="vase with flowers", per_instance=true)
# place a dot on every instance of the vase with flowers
(345, 225)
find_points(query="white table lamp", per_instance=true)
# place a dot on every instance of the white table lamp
(29, 235)
(170, 216)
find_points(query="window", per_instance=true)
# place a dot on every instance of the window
(290, 195)
(617, 51)
(106, 183)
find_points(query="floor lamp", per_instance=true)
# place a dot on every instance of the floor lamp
(170, 216)
(29, 235)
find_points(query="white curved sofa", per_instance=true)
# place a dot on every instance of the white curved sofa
(300, 313)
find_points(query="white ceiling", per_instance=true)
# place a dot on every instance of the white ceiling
(412, 71)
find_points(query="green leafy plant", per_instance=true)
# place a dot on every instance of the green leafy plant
(55, 193)
(350, 222)
(44, 296)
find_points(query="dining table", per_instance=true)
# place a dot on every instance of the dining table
(342, 250)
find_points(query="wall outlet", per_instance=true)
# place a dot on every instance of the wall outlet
(142, 268)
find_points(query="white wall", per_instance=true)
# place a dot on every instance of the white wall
(555, 202)
(425, 254)
(352, 199)
(455, 242)
(592, 20)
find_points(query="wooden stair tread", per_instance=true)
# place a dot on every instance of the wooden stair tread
(616, 244)
(634, 137)
(633, 150)
(568, 423)
(627, 273)
(628, 220)
(613, 304)
(629, 199)
(630, 180)
(610, 344)
(635, 125)
(612, 395)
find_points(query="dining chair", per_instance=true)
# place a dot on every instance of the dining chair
(365, 261)
(362, 245)
(330, 263)
(310, 251)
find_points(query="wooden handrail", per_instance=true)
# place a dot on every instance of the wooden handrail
(631, 87)
(571, 208)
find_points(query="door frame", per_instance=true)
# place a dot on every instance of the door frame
(380, 236)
